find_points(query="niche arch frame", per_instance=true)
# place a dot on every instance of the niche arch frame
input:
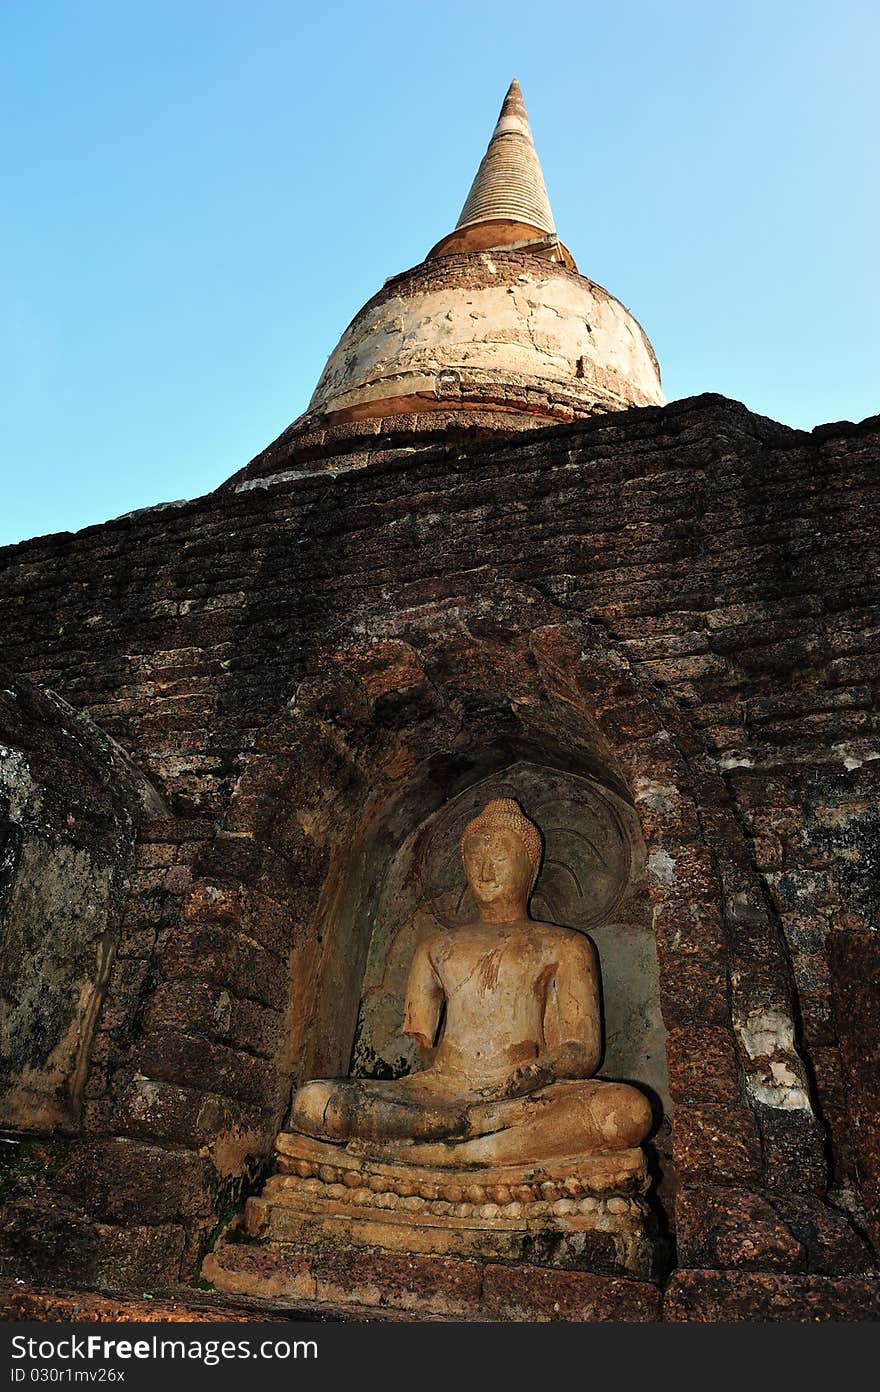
(451, 672)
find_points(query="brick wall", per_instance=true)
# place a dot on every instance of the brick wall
(728, 562)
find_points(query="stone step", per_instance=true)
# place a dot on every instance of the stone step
(424, 1286)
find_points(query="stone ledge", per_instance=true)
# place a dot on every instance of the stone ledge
(534, 1293)
(289, 1273)
(20, 1302)
(716, 1297)
(507, 1293)
(425, 1286)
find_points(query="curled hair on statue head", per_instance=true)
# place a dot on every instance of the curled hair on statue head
(507, 814)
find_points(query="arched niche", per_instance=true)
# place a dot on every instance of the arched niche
(410, 712)
(71, 804)
(400, 878)
(592, 879)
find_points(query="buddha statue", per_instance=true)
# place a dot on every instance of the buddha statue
(503, 1146)
(506, 1016)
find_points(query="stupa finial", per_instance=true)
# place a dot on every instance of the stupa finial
(509, 184)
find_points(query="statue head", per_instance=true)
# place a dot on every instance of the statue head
(501, 850)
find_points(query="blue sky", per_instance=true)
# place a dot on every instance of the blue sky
(199, 196)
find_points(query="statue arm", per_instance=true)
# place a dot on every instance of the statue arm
(572, 1016)
(424, 1003)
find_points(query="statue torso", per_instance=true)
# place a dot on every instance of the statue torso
(496, 980)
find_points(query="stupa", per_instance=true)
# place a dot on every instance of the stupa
(497, 316)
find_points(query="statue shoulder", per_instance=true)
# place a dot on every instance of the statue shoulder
(570, 940)
(429, 945)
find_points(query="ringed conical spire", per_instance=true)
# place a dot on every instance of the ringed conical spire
(508, 204)
(509, 182)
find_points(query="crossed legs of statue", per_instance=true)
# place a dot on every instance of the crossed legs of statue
(423, 1121)
(408, 1108)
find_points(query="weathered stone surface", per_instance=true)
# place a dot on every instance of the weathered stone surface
(727, 1297)
(728, 1228)
(20, 1303)
(793, 1146)
(428, 1285)
(190, 1117)
(171, 1056)
(432, 1285)
(71, 802)
(214, 1012)
(702, 1065)
(584, 1212)
(716, 1142)
(225, 958)
(695, 991)
(604, 1241)
(300, 1157)
(731, 1228)
(41, 1239)
(126, 1181)
(466, 328)
(530, 1293)
(831, 1243)
(855, 972)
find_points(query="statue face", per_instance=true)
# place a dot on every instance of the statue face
(497, 867)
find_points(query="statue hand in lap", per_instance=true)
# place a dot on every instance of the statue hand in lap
(506, 1015)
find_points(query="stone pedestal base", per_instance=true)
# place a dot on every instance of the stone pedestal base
(586, 1213)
